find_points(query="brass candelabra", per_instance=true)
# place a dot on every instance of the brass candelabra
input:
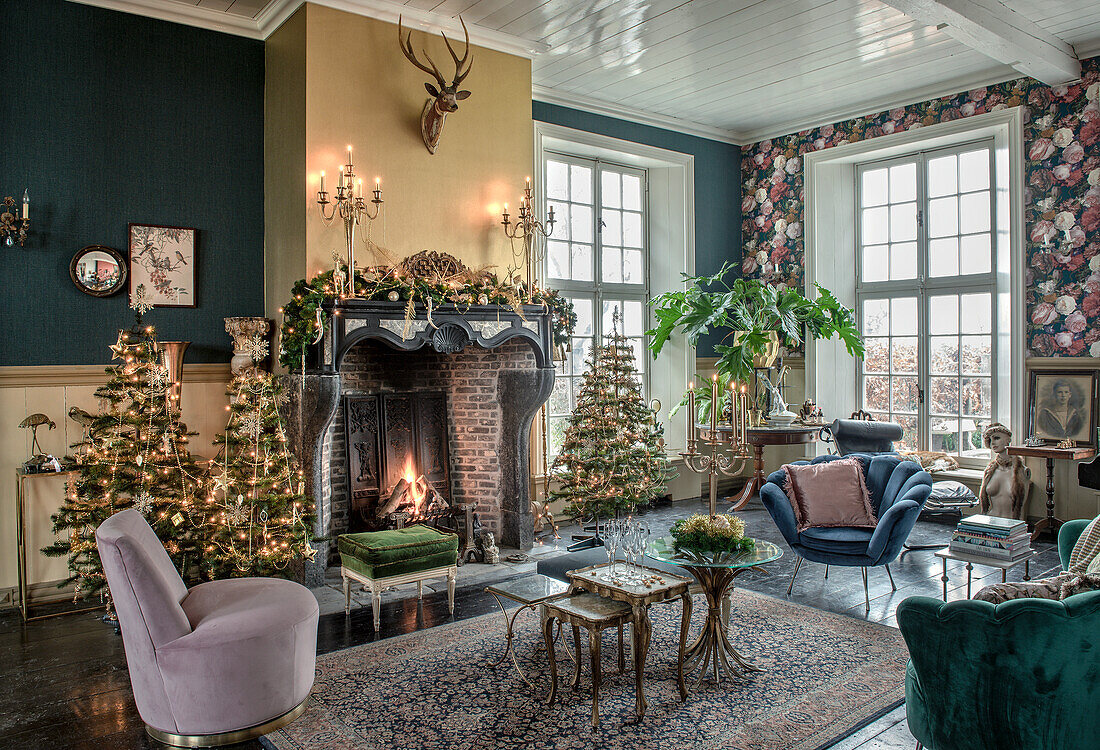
(352, 208)
(722, 456)
(529, 231)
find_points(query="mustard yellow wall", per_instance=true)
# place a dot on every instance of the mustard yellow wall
(360, 90)
(284, 161)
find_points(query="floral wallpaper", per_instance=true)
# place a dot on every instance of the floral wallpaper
(1062, 134)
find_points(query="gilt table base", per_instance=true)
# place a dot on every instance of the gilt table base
(712, 651)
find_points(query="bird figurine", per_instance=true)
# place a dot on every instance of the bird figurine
(33, 422)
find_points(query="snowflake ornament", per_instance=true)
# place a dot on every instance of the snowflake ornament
(143, 503)
(139, 300)
(237, 513)
(158, 377)
(256, 348)
(251, 424)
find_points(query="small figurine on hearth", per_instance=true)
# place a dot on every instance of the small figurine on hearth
(1006, 480)
(490, 551)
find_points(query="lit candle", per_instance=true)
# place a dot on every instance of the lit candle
(322, 180)
(714, 407)
(691, 417)
(26, 204)
(378, 184)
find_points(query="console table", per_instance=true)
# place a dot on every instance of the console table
(1051, 454)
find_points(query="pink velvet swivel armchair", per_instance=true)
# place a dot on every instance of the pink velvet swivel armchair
(219, 663)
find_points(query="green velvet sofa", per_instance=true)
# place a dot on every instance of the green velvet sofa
(1023, 675)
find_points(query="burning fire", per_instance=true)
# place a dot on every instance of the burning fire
(418, 486)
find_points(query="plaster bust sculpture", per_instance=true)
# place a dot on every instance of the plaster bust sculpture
(1006, 480)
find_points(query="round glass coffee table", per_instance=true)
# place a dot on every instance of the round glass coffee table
(715, 573)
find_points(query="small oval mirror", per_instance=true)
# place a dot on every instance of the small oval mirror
(98, 270)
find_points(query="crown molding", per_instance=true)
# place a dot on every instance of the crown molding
(274, 16)
(425, 20)
(188, 15)
(914, 96)
(619, 112)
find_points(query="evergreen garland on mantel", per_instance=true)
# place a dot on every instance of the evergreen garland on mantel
(305, 319)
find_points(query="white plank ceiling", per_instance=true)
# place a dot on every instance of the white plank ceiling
(735, 69)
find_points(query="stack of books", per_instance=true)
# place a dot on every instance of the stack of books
(1004, 539)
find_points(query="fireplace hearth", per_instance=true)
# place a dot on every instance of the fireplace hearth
(461, 389)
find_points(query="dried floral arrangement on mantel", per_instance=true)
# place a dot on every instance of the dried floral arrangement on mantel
(427, 279)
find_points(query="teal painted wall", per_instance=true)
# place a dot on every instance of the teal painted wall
(717, 182)
(110, 118)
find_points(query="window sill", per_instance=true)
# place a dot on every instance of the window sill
(966, 476)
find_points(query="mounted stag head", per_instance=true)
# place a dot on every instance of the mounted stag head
(445, 96)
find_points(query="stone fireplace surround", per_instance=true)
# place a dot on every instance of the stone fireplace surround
(496, 370)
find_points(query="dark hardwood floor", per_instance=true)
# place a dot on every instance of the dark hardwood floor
(67, 685)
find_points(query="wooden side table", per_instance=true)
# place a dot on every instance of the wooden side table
(759, 438)
(639, 598)
(1051, 454)
(595, 614)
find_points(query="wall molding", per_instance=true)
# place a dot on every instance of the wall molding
(1064, 363)
(273, 17)
(64, 375)
(619, 112)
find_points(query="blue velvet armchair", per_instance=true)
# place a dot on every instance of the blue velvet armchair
(898, 490)
(1022, 674)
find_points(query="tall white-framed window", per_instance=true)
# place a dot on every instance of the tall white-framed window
(597, 258)
(926, 294)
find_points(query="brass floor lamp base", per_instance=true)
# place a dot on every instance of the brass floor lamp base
(712, 650)
(227, 738)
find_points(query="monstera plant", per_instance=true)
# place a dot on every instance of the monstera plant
(754, 316)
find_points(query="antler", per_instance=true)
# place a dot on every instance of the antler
(459, 74)
(406, 47)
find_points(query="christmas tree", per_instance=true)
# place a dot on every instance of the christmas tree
(258, 520)
(612, 457)
(135, 456)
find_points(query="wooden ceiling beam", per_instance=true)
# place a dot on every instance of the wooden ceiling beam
(990, 27)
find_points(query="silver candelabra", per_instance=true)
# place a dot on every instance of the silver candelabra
(352, 208)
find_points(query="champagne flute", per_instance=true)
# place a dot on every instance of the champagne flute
(612, 537)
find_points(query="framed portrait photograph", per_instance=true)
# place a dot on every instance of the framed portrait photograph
(1062, 406)
(163, 259)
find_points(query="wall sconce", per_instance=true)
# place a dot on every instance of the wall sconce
(14, 229)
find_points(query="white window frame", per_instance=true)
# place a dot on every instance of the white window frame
(598, 290)
(831, 375)
(670, 233)
(925, 286)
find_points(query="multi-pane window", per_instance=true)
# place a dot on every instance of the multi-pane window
(925, 292)
(597, 258)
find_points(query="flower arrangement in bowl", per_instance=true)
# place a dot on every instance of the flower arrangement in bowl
(704, 533)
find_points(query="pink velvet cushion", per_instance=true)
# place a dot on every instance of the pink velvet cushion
(830, 493)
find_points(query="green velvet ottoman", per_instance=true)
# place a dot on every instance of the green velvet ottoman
(378, 559)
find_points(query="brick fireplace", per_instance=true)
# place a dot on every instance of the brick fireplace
(492, 368)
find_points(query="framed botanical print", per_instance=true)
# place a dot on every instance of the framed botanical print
(1062, 406)
(163, 259)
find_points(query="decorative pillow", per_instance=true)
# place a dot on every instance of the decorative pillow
(1079, 585)
(831, 493)
(1086, 549)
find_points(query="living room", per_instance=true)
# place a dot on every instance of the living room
(379, 341)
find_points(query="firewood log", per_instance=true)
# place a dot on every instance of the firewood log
(397, 498)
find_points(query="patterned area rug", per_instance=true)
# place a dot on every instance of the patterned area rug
(827, 675)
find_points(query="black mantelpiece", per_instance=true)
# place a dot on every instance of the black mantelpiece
(316, 395)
